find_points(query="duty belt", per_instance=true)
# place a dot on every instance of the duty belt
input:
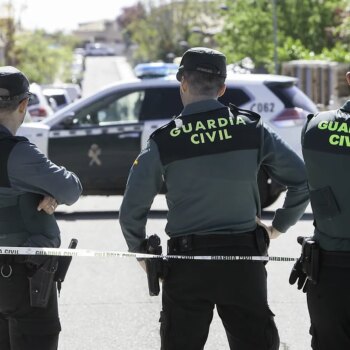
(187, 243)
(335, 259)
(11, 259)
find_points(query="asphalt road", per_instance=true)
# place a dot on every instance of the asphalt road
(101, 71)
(104, 302)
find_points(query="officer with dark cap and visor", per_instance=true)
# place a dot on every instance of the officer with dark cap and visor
(209, 157)
(31, 187)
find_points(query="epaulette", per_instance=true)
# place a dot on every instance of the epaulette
(161, 128)
(236, 110)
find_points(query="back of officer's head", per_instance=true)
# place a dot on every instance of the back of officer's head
(14, 88)
(204, 69)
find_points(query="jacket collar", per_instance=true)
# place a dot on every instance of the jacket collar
(201, 106)
(4, 130)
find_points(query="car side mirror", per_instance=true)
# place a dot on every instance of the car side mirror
(68, 120)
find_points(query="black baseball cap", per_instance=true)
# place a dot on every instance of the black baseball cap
(202, 59)
(14, 85)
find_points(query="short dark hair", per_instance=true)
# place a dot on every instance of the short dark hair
(9, 107)
(204, 84)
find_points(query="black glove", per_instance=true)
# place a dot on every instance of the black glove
(297, 274)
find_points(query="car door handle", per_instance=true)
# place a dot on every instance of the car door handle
(131, 135)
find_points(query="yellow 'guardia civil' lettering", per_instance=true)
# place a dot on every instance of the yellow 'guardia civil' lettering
(334, 126)
(339, 127)
(339, 140)
(211, 136)
(209, 124)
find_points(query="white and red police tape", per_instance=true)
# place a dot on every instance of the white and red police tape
(117, 254)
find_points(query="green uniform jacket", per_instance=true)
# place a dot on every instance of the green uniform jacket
(209, 160)
(326, 150)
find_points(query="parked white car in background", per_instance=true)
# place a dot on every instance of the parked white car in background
(39, 107)
(99, 49)
(73, 90)
(60, 95)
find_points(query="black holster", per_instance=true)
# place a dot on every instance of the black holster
(310, 258)
(40, 282)
(262, 240)
(63, 266)
(43, 272)
(154, 266)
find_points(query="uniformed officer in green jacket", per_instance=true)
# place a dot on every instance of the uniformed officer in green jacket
(326, 151)
(31, 187)
(209, 157)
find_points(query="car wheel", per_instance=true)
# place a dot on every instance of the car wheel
(269, 190)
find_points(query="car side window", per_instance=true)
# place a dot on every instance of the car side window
(124, 109)
(111, 109)
(161, 103)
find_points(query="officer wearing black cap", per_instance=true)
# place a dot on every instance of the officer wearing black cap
(31, 187)
(209, 157)
(326, 151)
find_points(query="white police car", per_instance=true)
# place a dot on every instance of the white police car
(99, 137)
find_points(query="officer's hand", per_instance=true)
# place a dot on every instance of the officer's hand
(48, 204)
(297, 274)
(271, 231)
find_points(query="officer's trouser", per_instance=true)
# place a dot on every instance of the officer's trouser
(192, 289)
(329, 306)
(23, 327)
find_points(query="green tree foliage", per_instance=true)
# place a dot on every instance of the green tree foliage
(342, 32)
(294, 50)
(307, 29)
(7, 33)
(310, 21)
(7, 29)
(170, 27)
(128, 16)
(43, 58)
(248, 31)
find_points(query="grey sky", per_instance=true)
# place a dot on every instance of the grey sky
(65, 14)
